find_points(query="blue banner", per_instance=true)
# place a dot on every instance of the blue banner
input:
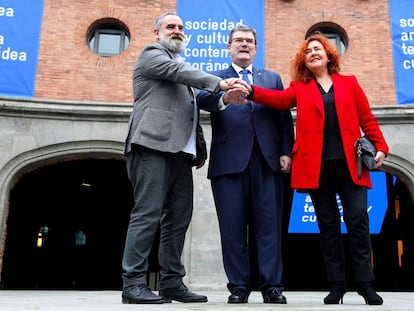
(207, 26)
(303, 217)
(20, 26)
(402, 36)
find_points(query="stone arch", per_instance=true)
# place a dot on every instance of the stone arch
(403, 169)
(22, 163)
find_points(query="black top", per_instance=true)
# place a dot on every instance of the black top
(332, 143)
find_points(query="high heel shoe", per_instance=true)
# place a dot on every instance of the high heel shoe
(336, 294)
(370, 296)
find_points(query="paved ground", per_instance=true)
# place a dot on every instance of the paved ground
(111, 301)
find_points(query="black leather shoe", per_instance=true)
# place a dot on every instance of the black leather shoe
(140, 294)
(273, 295)
(182, 294)
(239, 295)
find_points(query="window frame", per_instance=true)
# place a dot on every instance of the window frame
(111, 29)
(335, 33)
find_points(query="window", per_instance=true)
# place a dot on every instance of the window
(108, 38)
(80, 238)
(335, 33)
(337, 41)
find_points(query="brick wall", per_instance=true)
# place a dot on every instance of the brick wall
(369, 54)
(67, 69)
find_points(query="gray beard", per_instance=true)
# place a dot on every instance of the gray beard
(175, 46)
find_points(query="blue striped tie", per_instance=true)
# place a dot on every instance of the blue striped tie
(245, 77)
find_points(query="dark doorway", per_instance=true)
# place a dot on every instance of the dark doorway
(66, 226)
(392, 249)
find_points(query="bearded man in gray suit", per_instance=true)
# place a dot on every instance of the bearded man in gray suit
(161, 151)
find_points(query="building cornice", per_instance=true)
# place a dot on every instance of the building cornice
(66, 110)
(120, 112)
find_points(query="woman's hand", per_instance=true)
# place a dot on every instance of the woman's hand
(379, 159)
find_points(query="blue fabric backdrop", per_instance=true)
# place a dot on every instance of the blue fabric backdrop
(207, 25)
(20, 27)
(402, 33)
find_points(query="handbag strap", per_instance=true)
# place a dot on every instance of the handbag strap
(359, 158)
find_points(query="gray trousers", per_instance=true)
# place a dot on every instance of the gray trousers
(163, 194)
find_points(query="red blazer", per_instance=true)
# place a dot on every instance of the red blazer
(354, 115)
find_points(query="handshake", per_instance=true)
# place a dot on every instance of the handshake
(236, 90)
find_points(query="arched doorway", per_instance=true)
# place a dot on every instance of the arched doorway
(393, 248)
(66, 226)
(67, 221)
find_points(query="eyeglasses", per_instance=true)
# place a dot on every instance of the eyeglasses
(242, 40)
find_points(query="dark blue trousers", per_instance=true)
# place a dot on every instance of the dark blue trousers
(254, 197)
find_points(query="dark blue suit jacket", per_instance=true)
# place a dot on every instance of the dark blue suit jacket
(234, 129)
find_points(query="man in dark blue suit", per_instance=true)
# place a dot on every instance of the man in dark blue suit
(250, 151)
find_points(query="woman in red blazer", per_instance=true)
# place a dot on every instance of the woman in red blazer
(332, 109)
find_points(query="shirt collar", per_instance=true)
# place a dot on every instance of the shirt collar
(238, 68)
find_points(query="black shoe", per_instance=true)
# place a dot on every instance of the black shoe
(140, 294)
(336, 294)
(368, 293)
(182, 294)
(239, 295)
(273, 295)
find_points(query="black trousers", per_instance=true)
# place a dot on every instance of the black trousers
(335, 179)
(163, 193)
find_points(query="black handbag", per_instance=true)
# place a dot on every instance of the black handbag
(365, 152)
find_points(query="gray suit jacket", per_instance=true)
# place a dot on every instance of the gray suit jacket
(163, 114)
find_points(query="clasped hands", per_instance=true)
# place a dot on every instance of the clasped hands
(236, 90)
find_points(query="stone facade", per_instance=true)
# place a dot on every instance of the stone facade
(37, 133)
(83, 101)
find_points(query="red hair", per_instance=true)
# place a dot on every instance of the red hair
(299, 72)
